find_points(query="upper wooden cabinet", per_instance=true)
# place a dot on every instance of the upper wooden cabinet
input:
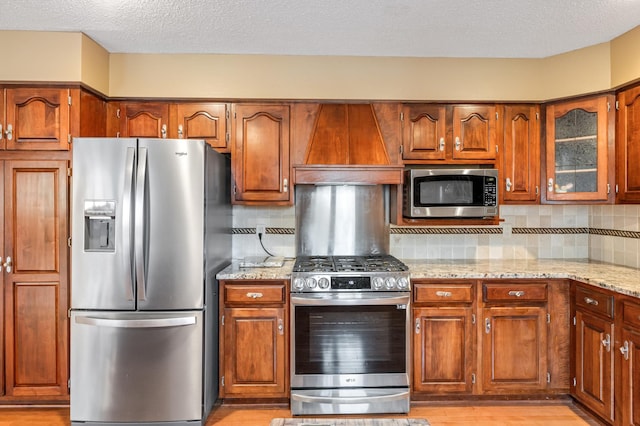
(260, 155)
(628, 146)
(520, 178)
(434, 133)
(579, 150)
(142, 119)
(206, 121)
(34, 119)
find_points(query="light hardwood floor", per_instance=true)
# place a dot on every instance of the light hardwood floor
(485, 414)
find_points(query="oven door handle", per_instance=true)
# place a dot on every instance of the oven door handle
(349, 400)
(361, 299)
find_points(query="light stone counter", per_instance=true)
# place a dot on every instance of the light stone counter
(617, 278)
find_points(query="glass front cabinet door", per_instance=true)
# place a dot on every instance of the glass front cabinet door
(579, 140)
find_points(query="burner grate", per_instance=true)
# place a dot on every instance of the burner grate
(369, 263)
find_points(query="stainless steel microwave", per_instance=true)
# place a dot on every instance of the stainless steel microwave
(450, 193)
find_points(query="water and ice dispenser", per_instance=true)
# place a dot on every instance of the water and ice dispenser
(99, 225)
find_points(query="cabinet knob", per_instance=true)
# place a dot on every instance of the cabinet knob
(516, 293)
(417, 325)
(9, 132)
(508, 185)
(7, 264)
(457, 143)
(285, 185)
(441, 144)
(180, 131)
(444, 294)
(550, 185)
(607, 342)
(254, 295)
(280, 327)
(163, 131)
(487, 325)
(625, 350)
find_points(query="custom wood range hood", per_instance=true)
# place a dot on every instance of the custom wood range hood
(346, 147)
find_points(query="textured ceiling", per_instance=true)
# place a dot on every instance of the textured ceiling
(418, 28)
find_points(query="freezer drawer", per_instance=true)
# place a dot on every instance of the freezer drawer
(136, 367)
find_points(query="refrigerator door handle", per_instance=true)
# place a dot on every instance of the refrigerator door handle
(126, 220)
(137, 323)
(140, 254)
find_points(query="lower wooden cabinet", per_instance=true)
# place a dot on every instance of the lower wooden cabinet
(34, 279)
(628, 396)
(593, 383)
(254, 339)
(490, 337)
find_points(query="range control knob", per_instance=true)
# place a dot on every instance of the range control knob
(390, 282)
(378, 283)
(298, 283)
(403, 283)
(311, 283)
(324, 283)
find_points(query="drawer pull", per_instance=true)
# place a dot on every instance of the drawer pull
(516, 293)
(440, 293)
(590, 301)
(254, 295)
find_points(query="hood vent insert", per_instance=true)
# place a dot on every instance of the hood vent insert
(346, 146)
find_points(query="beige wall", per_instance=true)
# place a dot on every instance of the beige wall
(73, 57)
(40, 56)
(625, 58)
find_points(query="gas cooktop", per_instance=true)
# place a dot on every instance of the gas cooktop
(349, 273)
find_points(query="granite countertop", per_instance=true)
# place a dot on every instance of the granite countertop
(617, 278)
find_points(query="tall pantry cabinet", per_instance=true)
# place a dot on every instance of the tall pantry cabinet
(37, 129)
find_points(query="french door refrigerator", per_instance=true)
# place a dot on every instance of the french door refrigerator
(151, 225)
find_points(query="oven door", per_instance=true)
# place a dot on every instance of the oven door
(350, 340)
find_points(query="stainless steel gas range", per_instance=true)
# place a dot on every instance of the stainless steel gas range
(350, 317)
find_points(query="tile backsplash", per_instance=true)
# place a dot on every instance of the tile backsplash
(599, 232)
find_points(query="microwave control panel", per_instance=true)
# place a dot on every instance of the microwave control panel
(490, 191)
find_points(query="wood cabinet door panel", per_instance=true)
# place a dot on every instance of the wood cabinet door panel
(627, 145)
(630, 363)
(260, 158)
(254, 352)
(577, 154)
(594, 363)
(144, 120)
(521, 153)
(39, 119)
(514, 345)
(424, 132)
(474, 132)
(443, 350)
(36, 299)
(206, 121)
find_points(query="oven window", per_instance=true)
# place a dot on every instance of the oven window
(449, 191)
(350, 339)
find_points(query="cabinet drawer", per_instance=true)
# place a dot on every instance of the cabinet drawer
(514, 292)
(631, 314)
(594, 301)
(254, 294)
(442, 293)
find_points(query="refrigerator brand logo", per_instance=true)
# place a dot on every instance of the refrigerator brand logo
(181, 153)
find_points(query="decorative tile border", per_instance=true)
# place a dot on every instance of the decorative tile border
(470, 231)
(550, 230)
(446, 231)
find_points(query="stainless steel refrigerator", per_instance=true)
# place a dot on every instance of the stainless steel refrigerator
(151, 227)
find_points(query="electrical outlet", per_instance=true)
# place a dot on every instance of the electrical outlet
(260, 229)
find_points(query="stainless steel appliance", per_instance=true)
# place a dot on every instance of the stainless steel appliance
(151, 228)
(350, 317)
(448, 192)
